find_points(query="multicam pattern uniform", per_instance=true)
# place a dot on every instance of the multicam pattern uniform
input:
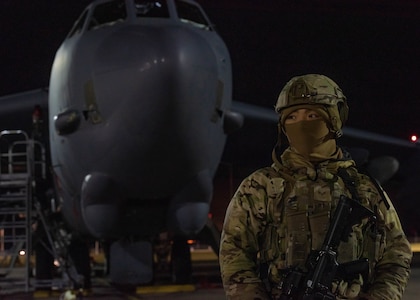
(275, 218)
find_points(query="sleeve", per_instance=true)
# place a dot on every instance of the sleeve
(244, 221)
(392, 270)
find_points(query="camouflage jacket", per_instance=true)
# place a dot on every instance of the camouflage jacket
(256, 233)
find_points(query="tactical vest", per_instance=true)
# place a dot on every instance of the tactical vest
(301, 221)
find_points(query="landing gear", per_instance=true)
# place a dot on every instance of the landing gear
(181, 266)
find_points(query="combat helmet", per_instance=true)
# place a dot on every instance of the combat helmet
(315, 89)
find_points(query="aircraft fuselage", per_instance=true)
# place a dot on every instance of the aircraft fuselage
(137, 106)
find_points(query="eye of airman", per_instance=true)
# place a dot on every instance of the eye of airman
(291, 116)
(313, 115)
(301, 115)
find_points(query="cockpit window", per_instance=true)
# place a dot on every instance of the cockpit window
(191, 14)
(108, 12)
(151, 9)
(77, 28)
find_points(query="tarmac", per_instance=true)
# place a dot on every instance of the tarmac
(207, 286)
(212, 291)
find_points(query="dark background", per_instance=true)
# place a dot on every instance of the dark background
(370, 48)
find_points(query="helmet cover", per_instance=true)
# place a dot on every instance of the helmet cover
(315, 89)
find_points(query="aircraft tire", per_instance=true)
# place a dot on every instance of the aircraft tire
(181, 266)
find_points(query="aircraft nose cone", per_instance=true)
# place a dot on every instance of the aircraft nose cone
(130, 48)
(157, 89)
(135, 74)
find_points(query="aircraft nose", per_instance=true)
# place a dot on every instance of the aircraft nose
(141, 75)
(156, 89)
(135, 48)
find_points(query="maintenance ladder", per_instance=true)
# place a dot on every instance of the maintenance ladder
(22, 159)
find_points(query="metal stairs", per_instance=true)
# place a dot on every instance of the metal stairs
(24, 217)
(16, 214)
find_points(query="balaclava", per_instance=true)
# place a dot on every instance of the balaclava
(312, 139)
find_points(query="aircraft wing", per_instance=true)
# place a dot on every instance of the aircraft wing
(15, 103)
(17, 109)
(269, 115)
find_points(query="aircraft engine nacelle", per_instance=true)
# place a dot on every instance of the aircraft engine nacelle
(101, 203)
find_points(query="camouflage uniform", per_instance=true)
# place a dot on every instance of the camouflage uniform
(279, 213)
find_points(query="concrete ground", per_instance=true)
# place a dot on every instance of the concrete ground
(206, 287)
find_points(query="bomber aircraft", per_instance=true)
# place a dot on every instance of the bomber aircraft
(139, 110)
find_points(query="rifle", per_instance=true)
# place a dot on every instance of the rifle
(322, 265)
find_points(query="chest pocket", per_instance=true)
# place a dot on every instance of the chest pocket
(272, 240)
(302, 219)
(306, 218)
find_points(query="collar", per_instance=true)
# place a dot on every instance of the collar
(301, 167)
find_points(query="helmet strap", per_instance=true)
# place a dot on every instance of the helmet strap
(277, 146)
(338, 133)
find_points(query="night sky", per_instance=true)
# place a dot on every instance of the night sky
(370, 48)
(371, 51)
